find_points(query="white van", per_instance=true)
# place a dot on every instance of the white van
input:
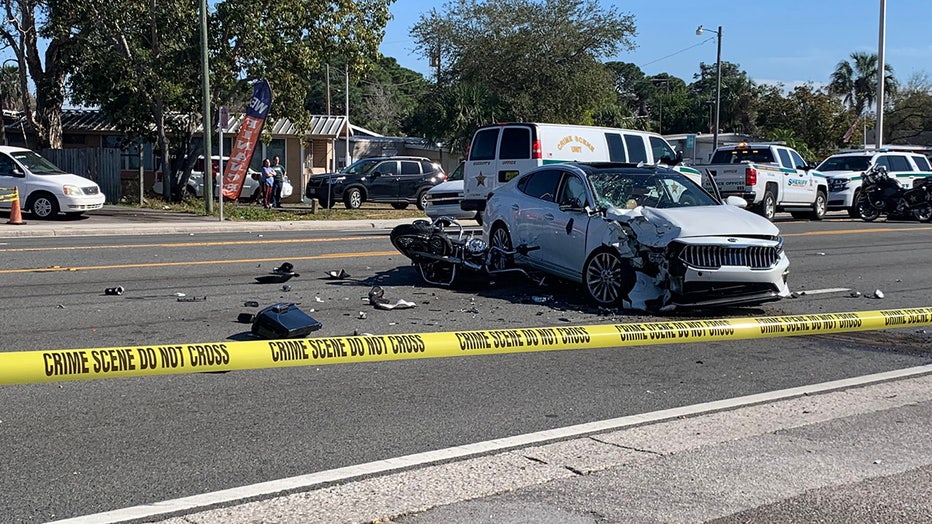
(44, 189)
(501, 152)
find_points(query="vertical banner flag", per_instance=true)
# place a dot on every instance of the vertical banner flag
(852, 129)
(237, 167)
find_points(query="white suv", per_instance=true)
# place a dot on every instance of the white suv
(844, 174)
(44, 189)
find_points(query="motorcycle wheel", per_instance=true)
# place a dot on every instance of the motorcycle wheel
(866, 210)
(434, 270)
(923, 213)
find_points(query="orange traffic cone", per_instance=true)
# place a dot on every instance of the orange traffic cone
(16, 214)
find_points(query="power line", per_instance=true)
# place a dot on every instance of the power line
(642, 66)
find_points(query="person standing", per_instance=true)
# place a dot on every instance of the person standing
(279, 181)
(268, 180)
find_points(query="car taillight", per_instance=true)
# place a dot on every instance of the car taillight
(536, 152)
(750, 176)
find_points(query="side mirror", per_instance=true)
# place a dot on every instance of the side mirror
(573, 205)
(678, 159)
(736, 201)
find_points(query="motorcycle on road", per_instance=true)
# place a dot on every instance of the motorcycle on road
(881, 194)
(441, 248)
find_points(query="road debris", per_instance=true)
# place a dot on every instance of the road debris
(338, 275)
(377, 299)
(283, 320)
(251, 303)
(192, 299)
(118, 290)
(279, 275)
(855, 294)
(878, 293)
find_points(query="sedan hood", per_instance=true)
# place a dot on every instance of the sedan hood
(667, 224)
(450, 186)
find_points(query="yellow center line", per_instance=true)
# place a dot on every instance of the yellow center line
(196, 262)
(186, 244)
(859, 231)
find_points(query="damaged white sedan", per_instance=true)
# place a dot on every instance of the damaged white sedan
(637, 237)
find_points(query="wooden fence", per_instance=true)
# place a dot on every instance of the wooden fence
(102, 165)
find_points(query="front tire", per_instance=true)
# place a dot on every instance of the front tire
(44, 206)
(422, 200)
(500, 238)
(608, 278)
(352, 198)
(923, 213)
(866, 211)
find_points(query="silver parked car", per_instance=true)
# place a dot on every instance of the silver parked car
(646, 238)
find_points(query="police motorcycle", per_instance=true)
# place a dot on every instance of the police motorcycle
(882, 194)
(442, 247)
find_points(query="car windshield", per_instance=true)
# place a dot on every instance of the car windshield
(35, 163)
(845, 163)
(662, 189)
(457, 174)
(360, 167)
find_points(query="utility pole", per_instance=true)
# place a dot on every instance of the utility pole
(205, 125)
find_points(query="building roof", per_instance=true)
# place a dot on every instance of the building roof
(321, 126)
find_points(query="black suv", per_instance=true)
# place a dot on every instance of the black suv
(397, 180)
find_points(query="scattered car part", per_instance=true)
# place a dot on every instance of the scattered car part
(377, 299)
(283, 320)
(338, 275)
(118, 290)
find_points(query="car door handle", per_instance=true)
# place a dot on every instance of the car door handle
(514, 207)
(548, 216)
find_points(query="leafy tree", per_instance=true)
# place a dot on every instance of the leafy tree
(810, 117)
(856, 81)
(738, 95)
(27, 26)
(910, 118)
(382, 97)
(141, 63)
(451, 113)
(538, 58)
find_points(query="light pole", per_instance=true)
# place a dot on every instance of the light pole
(718, 82)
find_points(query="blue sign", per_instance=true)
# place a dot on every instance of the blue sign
(690, 141)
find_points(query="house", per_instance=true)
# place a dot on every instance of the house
(302, 153)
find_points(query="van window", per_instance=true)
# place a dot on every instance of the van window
(660, 148)
(922, 163)
(542, 184)
(616, 148)
(636, 150)
(483, 145)
(516, 143)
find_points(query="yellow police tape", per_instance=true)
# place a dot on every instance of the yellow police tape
(133, 361)
(8, 197)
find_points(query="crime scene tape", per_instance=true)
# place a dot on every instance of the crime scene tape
(8, 194)
(26, 367)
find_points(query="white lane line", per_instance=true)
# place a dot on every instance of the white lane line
(823, 291)
(305, 482)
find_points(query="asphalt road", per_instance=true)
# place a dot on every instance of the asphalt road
(77, 448)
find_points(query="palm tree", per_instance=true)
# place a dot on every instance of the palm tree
(856, 81)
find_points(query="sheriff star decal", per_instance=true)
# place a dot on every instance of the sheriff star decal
(480, 180)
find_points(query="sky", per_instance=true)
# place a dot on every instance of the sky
(792, 42)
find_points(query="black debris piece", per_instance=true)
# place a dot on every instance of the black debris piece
(118, 290)
(251, 303)
(377, 299)
(283, 320)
